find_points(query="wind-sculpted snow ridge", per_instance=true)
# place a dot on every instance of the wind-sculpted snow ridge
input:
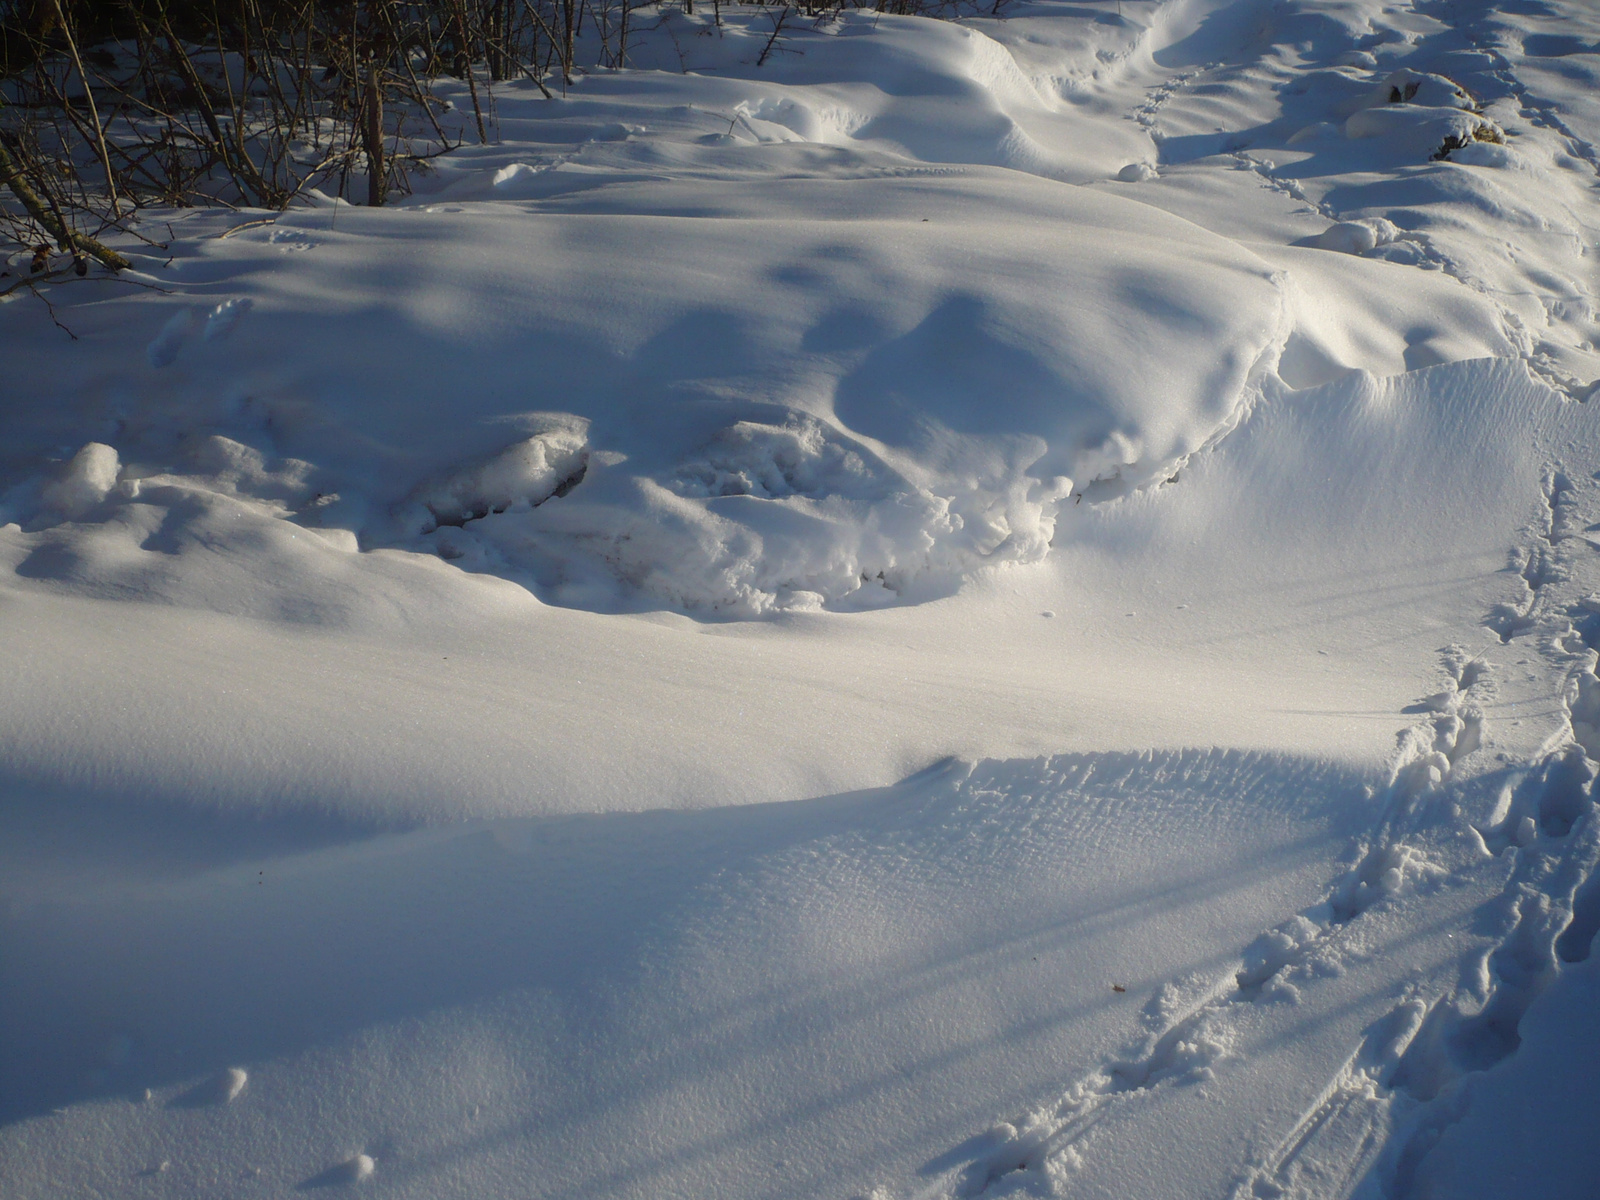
(640, 968)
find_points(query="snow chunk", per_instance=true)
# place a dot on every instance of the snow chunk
(1357, 237)
(355, 1169)
(231, 1083)
(222, 1088)
(511, 178)
(90, 475)
(523, 475)
(617, 131)
(1425, 90)
(1137, 172)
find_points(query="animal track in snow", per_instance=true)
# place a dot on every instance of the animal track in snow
(1145, 115)
(216, 325)
(1044, 1145)
(225, 317)
(291, 241)
(1386, 1108)
(163, 349)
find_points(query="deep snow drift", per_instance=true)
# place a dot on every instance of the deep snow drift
(989, 607)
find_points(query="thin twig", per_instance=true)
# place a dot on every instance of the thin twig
(228, 233)
(70, 275)
(94, 112)
(68, 239)
(49, 308)
(777, 28)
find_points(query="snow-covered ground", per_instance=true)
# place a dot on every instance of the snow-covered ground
(991, 607)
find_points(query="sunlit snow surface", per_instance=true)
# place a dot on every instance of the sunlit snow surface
(997, 607)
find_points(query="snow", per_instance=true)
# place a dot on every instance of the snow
(990, 607)
(1357, 237)
(85, 482)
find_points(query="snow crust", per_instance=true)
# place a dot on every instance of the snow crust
(990, 607)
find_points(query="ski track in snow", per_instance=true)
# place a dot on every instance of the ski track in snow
(1392, 1097)
(1370, 1128)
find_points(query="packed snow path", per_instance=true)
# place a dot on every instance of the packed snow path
(427, 632)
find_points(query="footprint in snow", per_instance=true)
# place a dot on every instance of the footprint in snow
(225, 317)
(290, 241)
(216, 325)
(164, 348)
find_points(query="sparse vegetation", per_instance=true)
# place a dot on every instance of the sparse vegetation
(109, 106)
(1484, 132)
